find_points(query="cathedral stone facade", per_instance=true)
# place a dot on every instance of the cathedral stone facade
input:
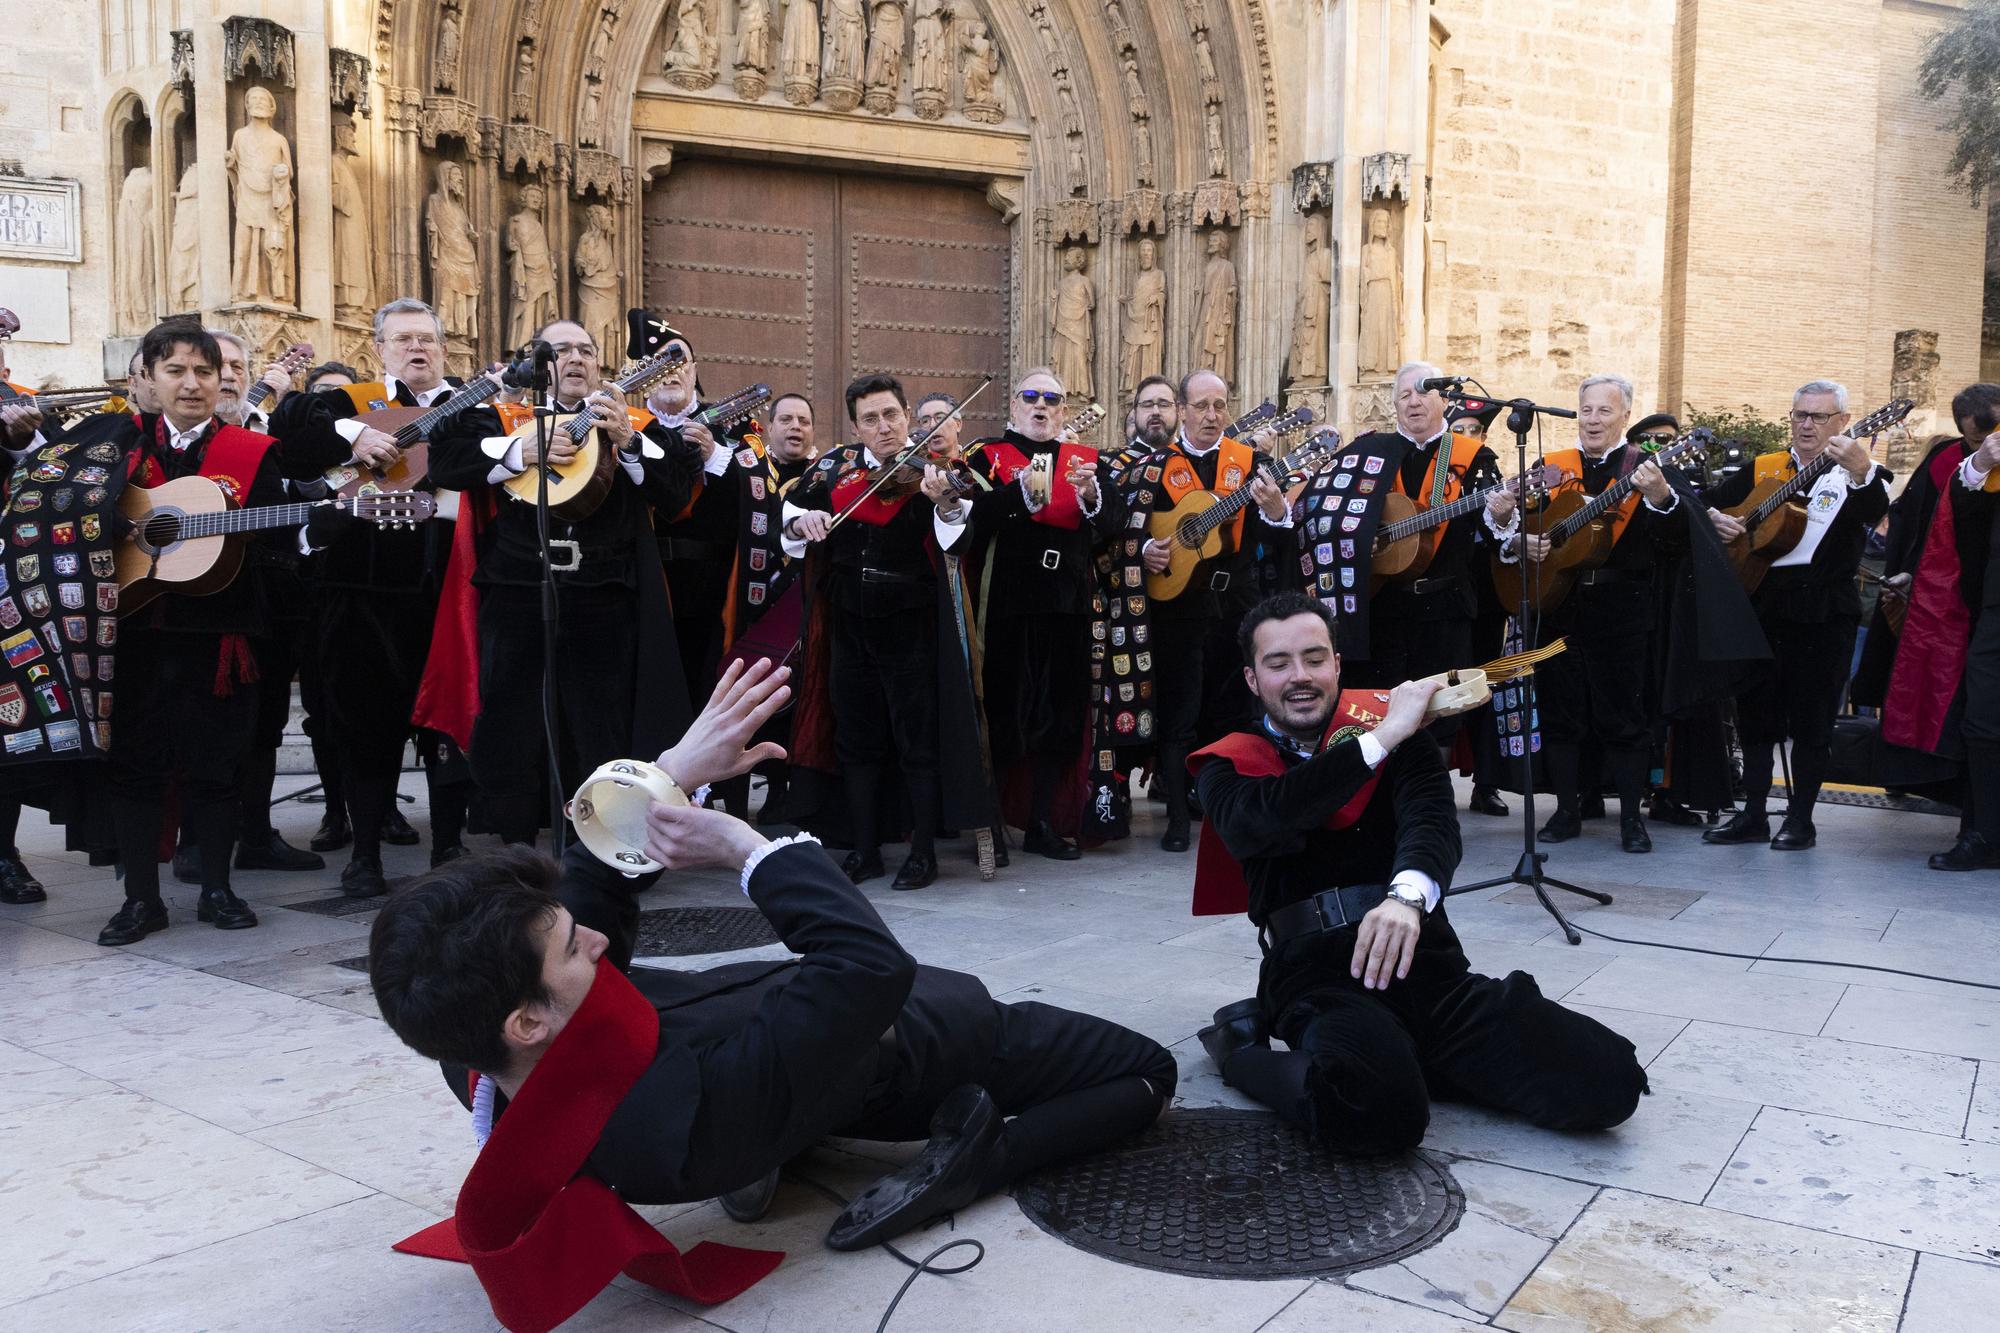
(1301, 193)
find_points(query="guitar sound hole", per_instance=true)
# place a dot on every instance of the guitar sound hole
(161, 529)
(1188, 534)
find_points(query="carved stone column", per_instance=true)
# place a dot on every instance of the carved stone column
(489, 215)
(405, 188)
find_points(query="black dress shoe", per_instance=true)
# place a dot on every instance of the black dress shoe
(919, 869)
(1562, 826)
(274, 853)
(1486, 801)
(1795, 835)
(1591, 807)
(1043, 840)
(224, 910)
(860, 868)
(1970, 852)
(17, 884)
(137, 919)
(363, 878)
(1002, 858)
(187, 864)
(750, 1203)
(448, 853)
(1742, 827)
(333, 833)
(1175, 839)
(1664, 809)
(949, 1174)
(1632, 835)
(1237, 1027)
(396, 830)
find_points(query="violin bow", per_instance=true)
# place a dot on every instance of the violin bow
(910, 450)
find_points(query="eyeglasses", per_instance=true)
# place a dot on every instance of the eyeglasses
(581, 349)
(1657, 438)
(414, 340)
(1046, 397)
(1816, 418)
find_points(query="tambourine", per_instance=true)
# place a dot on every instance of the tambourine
(1038, 480)
(609, 812)
(1458, 692)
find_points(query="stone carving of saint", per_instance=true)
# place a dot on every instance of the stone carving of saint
(1135, 91)
(531, 274)
(691, 59)
(454, 252)
(1142, 151)
(1380, 345)
(1218, 151)
(590, 116)
(846, 48)
(753, 49)
(444, 65)
(799, 57)
(1215, 314)
(1314, 312)
(1204, 64)
(884, 75)
(1075, 325)
(1145, 320)
(596, 270)
(982, 65)
(138, 257)
(352, 251)
(184, 248)
(600, 44)
(930, 59)
(522, 103)
(260, 178)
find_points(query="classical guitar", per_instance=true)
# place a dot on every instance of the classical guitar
(577, 487)
(1774, 513)
(1251, 420)
(1193, 528)
(186, 537)
(1403, 554)
(412, 427)
(292, 360)
(1580, 532)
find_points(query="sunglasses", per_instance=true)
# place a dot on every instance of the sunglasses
(1656, 439)
(1046, 397)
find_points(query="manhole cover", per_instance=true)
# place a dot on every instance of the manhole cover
(677, 932)
(1876, 800)
(340, 905)
(1239, 1194)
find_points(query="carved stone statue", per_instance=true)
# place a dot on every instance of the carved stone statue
(522, 103)
(846, 51)
(352, 250)
(260, 178)
(1215, 315)
(1311, 318)
(930, 59)
(1135, 91)
(590, 115)
(596, 269)
(753, 49)
(600, 44)
(1204, 64)
(799, 57)
(138, 284)
(444, 65)
(982, 65)
(1075, 325)
(1381, 342)
(531, 274)
(1142, 151)
(454, 253)
(1145, 321)
(691, 60)
(1218, 150)
(883, 78)
(184, 247)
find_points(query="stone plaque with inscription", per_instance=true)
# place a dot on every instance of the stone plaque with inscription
(38, 219)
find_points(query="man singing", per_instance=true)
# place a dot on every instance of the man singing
(1344, 838)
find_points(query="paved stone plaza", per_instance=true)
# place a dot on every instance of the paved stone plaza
(213, 1130)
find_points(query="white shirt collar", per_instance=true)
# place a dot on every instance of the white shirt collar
(1602, 458)
(428, 398)
(1188, 447)
(1424, 444)
(184, 439)
(675, 420)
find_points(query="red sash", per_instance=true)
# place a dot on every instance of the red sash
(1063, 510)
(230, 460)
(1219, 886)
(543, 1239)
(448, 691)
(874, 511)
(1930, 652)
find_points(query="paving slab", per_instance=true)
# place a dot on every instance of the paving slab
(1952, 1296)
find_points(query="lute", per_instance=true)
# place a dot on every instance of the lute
(1193, 527)
(578, 486)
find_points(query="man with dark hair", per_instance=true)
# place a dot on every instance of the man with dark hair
(1338, 836)
(671, 1086)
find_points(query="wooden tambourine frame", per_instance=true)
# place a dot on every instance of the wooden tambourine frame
(609, 812)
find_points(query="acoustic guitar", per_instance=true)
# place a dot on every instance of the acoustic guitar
(1193, 528)
(292, 360)
(412, 427)
(1579, 528)
(577, 487)
(1402, 553)
(1774, 513)
(186, 536)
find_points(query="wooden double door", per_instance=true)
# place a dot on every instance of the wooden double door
(804, 279)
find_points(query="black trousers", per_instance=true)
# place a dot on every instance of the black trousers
(1365, 1065)
(172, 728)
(883, 680)
(372, 645)
(596, 648)
(279, 658)
(1796, 694)
(1037, 686)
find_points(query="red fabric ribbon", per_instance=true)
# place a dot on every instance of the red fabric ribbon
(1930, 653)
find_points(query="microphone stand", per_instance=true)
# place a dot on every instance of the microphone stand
(1528, 870)
(541, 385)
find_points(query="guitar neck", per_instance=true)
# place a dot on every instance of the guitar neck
(1804, 479)
(233, 521)
(1614, 494)
(470, 396)
(1437, 514)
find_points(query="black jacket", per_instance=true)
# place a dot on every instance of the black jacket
(1461, 553)
(1038, 568)
(897, 553)
(1825, 587)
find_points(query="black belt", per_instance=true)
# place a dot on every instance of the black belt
(684, 548)
(1443, 582)
(1330, 910)
(885, 576)
(1600, 577)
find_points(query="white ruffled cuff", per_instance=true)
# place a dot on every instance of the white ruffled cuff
(757, 857)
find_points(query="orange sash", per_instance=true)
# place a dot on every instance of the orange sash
(1235, 465)
(1571, 463)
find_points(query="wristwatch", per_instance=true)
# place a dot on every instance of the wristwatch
(1409, 897)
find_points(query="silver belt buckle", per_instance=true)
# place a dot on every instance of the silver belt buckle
(1219, 581)
(1321, 901)
(1051, 559)
(571, 556)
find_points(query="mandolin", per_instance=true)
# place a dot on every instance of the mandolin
(577, 487)
(1193, 528)
(186, 537)
(412, 427)
(1774, 513)
(1580, 531)
(1402, 553)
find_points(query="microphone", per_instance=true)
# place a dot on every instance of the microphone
(528, 370)
(1441, 383)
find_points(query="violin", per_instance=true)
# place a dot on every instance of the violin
(906, 474)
